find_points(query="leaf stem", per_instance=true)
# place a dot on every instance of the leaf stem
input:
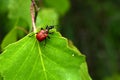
(34, 11)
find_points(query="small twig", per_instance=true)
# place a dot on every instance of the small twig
(33, 17)
(35, 6)
(34, 11)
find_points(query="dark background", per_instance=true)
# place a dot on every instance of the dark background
(94, 27)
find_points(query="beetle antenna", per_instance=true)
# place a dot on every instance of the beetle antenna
(49, 27)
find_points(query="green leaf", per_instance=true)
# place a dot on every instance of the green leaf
(29, 59)
(19, 9)
(12, 36)
(61, 6)
(1, 78)
(14, 11)
(46, 16)
(9, 38)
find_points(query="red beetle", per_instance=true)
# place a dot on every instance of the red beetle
(43, 33)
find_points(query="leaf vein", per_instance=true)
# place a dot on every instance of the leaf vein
(41, 58)
(23, 63)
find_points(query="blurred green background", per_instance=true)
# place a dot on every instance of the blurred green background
(92, 25)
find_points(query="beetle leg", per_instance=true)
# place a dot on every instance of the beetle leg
(47, 27)
(51, 32)
(44, 42)
(41, 28)
(48, 37)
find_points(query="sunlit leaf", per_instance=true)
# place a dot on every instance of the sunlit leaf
(29, 59)
(47, 17)
(60, 6)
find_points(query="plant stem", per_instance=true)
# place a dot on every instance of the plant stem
(34, 11)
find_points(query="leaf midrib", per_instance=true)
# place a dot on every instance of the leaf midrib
(42, 62)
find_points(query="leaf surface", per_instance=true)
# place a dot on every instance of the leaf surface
(9, 38)
(14, 13)
(61, 6)
(47, 16)
(29, 59)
